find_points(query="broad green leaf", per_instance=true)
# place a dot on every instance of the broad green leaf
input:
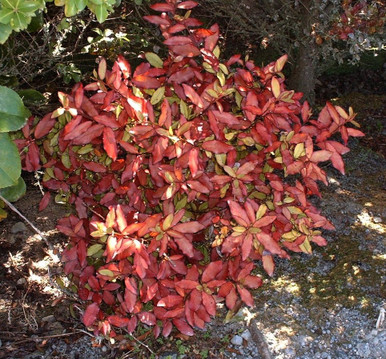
(81, 4)
(154, 60)
(13, 193)
(5, 31)
(70, 8)
(10, 166)
(94, 249)
(31, 96)
(28, 7)
(13, 113)
(157, 95)
(6, 15)
(60, 2)
(20, 21)
(106, 272)
(100, 12)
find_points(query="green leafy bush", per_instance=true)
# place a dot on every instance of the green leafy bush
(13, 116)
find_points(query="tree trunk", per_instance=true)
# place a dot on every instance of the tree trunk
(303, 76)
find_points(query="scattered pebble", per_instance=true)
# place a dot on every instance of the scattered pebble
(49, 319)
(246, 334)
(21, 281)
(18, 227)
(377, 219)
(237, 340)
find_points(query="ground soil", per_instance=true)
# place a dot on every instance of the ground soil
(39, 321)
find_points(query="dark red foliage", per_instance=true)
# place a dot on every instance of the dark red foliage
(180, 173)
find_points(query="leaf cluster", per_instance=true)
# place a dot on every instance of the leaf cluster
(185, 173)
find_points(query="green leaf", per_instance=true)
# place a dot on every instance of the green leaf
(157, 95)
(154, 60)
(28, 7)
(5, 31)
(20, 21)
(10, 166)
(13, 193)
(6, 15)
(31, 97)
(94, 249)
(13, 113)
(70, 8)
(101, 13)
(81, 4)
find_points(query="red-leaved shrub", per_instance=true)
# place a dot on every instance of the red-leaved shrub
(184, 173)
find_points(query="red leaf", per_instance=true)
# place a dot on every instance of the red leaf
(354, 133)
(231, 298)
(170, 301)
(162, 7)
(209, 303)
(211, 271)
(337, 162)
(178, 40)
(216, 147)
(95, 167)
(246, 168)
(186, 50)
(90, 314)
(147, 318)
(109, 143)
(44, 126)
(252, 281)
(246, 296)
(246, 246)
(79, 94)
(44, 201)
(124, 66)
(268, 264)
(193, 161)
(183, 327)
(226, 118)
(130, 293)
(87, 137)
(165, 118)
(193, 95)
(189, 227)
(268, 243)
(187, 284)
(118, 321)
(265, 221)
(185, 245)
(157, 20)
(320, 156)
(238, 213)
(120, 219)
(146, 82)
(187, 5)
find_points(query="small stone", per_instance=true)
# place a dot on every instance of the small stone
(377, 219)
(168, 355)
(237, 340)
(18, 227)
(21, 281)
(290, 352)
(104, 349)
(246, 334)
(49, 319)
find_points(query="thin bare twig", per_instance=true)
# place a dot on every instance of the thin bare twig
(143, 344)
(50, 251)
(45, 337)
